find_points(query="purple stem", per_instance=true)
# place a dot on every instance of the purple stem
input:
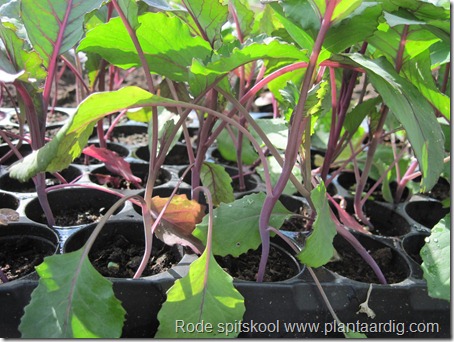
(362, 251)
(296, 130)
(3, 277)
(53, 59)
(154, 141)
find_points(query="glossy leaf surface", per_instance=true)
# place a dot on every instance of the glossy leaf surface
(169, 50)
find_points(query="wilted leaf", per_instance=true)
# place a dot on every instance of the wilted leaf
(179, 220)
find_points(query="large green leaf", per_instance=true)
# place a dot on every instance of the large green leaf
(236, 225)
(55, 24)
(210, 16)
(245, 16)
(418, 72)
(17, 56)
(72, 138)
(72, 300)
(413, 112)
(435, 13)
(299, 20)
(203, 75)
(355, 28)
(387, 41)
(218, 181)
(207, 297)
(318, 249)
(169, 51)
(437, 260)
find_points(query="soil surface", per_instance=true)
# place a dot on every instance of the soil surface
(352, 266)
(245, 267)
(77, 217)
(20, 255)
(296, 224)
(120, 258)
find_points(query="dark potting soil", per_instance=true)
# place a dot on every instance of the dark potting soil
(120, 258)
(20, 255)
(352, 266)
(296, 224)
(79, 216)
(130, 139)
(245, 267)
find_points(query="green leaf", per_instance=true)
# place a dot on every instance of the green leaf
(344, 8)
(210, 17)
(387, 41)
(49, 22)
(19, 54)
(418, 71)
(354, 118)
(72, 300)
(357, 27)
(161, 5)
(166, 123)
(236, 225)
(245, 16)
(319, 249)
(72, 138)
(298, 18)
(228, 150)
(218, 181)
(130, 10)
(413, 112)
(203, 75)
(275, 129)
(265, 22)
(275, 171)
(169, 51)
(437, 260)
(205, 296)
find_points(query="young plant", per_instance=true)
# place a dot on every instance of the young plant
(196, 57)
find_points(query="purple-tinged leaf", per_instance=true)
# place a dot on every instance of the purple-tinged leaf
(54, 24)
(113, 162)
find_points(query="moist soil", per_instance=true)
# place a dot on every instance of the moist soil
(352, 266)
(245, 267)
(120, 258)
(20, 255)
